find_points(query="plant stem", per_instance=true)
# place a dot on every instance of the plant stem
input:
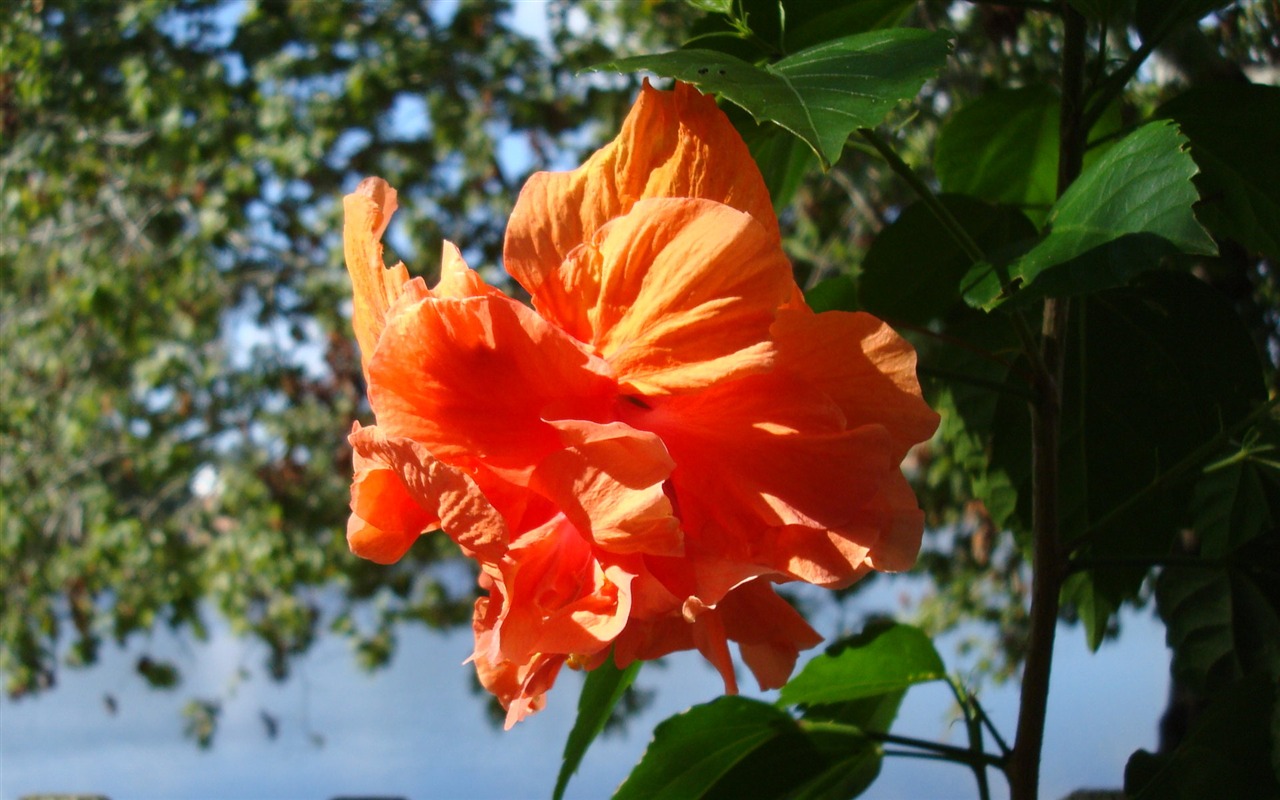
(964, 755)
(973, 725)
(903, 170)
(1046, 413)
(972, 250)
(949, 752)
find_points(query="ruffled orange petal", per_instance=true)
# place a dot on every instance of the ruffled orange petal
(385, 518)
(863, 365)
(375, 286)
(410, 488)
(473, 380)
(672, 144)
(608, 481)
(559, 596)
(677, 294)
(756, 455)
(769, 632)
(520, 687)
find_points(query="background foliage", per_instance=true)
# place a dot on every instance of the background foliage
(179, 374)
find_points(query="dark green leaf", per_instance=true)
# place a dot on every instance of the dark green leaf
(812, 22)
(883, 658)
(1100, 9)
(1229, 124)
(740, 748)
(1225, 754)
(1196, 605)
(1154, 372)
(806, 23)
(1120, 218)
(693, 751)
(847, 777)
(784, 160)
(1230, 507)
(1157, 18)
(875, 713)
(912, 270)
(159, 674)
(821, 94)
(1095, 609)
(838, 293)
(601, 691)
(1003, 148)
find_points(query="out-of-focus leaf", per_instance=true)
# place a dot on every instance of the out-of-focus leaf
(783, 159)
(838, 293)
(1156, 18)
(713, 6)
(821, 94)
(1226, 753)
(1228, 125)
(1100, 9)
(1003, 148)
(158, 674)
(886, 657)
(912, 270)
(1120, 218)
(601, 691)
(1196, 605)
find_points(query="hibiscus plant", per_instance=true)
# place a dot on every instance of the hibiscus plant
(682, 422)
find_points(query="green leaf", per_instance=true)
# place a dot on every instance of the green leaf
(713, 6)
(875, 713)
(1094, 608)
(1225, 754)
(812, 22)
(1154, 372)
(694, 749)
(806, 23)
(838, 293)
(886, 657)
(1229, 125)
(601, 691)
(912, 270)
(737, 748)
(784, 160)
(1230, 507)
(1003, 148)
(821, 94)
(1120, 218)
(1196, 606)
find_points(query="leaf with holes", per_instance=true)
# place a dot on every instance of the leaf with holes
(883, 658)
(821, 94)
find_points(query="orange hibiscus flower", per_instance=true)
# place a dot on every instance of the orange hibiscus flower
(669, 432)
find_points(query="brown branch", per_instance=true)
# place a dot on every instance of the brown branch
(1046, 416)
